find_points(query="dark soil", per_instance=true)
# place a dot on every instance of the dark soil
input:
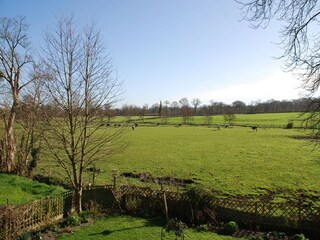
(168, 180)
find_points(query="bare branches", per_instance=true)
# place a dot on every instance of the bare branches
(15, 57)
(80, 81)
(300, 40)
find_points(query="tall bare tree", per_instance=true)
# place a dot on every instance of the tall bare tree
(15, 59)
(300, 41)
(186, 110)
(81, 80)
(30, 129)
(195, 103)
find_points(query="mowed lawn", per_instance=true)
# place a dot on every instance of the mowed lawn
(126, 227)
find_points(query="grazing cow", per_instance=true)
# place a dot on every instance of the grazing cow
(133, 127)
(254, 128)
(136, 125)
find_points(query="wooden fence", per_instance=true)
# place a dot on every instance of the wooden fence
(16, 219)
(251, 213)
(133, 199)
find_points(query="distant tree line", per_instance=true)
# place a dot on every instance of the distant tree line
(188, 108)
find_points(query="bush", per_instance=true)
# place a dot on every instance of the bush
(177, 226)
(73, 220)
(256, 238)
(92, 208)
(84, 216)
(25, 236)
(298, 237)
(230, 228)
(289, 125)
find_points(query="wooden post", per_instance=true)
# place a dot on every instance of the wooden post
(165, 202)
(114, 174)
(114, 182)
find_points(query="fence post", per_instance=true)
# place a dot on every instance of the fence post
(256, 215)
(165, 201)
(115, 175)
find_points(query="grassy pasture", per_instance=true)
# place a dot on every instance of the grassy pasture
(126, 227)
(263, 119)
(16, 189)
(234, 160)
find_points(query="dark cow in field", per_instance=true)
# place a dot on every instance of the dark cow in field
(254, 128)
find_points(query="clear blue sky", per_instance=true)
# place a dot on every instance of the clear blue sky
(170, 49)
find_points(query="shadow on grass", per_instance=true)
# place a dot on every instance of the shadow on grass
(150, 223)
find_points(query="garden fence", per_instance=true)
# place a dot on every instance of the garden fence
(251, 213)
(16, 219)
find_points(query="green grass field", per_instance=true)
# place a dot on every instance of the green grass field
(233, 160)
(278, 120)
(126, 227)
(14, 189)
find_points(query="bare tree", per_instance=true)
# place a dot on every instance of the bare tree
(80, 80)
(15, 59)
(30, 132)
(186, 110)
(300, 42)
(195, 103)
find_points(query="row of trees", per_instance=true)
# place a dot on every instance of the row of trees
(184, 107)
(53, 98)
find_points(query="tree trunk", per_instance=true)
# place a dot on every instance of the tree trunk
(78, 199)
(11, 143)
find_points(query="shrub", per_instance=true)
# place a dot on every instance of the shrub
(177, 226)
(133, 205)
(256, 238)
(298, 237)
(230, 228)
(92, 208)
(73, 220)
(84, 216)
(51, 227)
(289, 125)
(25, 236)
(199, 195)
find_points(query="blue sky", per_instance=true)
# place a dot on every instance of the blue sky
(170, 49)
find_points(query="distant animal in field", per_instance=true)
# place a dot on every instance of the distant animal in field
(254, 128)
(133, 127)
(136, 125)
